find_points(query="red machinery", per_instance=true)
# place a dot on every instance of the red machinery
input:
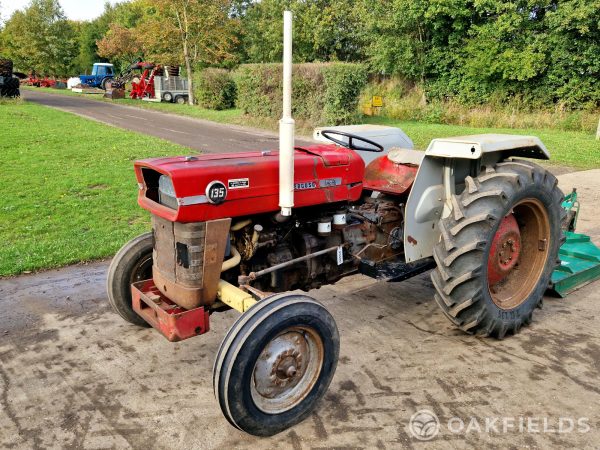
(45, 82)
(247, 231)
(144, 86)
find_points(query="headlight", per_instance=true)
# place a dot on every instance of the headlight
(166, 192)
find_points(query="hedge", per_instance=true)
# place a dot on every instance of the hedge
(323, 93)
(214, 89)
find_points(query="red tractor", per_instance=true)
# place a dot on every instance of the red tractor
(249, 231)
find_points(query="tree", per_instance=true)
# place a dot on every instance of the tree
(41, 39)
(324, 30)
(120, 43)
(203, 29)
(91, 32)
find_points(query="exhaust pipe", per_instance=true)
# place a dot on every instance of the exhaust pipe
(286, 125)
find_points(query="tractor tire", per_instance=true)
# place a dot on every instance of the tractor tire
(276, 363)
(6, 68)
(10, 89)
(132, 263)
(104, 83)
(498, 248)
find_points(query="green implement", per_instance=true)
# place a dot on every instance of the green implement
(579, 257)
(579, 264)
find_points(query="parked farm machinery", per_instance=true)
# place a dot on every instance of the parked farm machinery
(9, 82)
(158, 83)
(102, 74)
(250, 231)
(151, 82)
(41, 82)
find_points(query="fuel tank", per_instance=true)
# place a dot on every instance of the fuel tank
(208, 187)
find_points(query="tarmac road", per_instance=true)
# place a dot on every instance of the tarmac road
(208, 137)
(74, 375)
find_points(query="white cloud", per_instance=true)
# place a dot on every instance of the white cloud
(74, 9)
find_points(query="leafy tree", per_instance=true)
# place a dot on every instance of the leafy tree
(324, 30)
(541, 51)
(41, 39)
(91, 32)
(203, 30)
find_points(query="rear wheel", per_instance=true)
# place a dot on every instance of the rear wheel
(181, 100)
(276, 363)
(498, 248)
(104, 83)
(131, 264)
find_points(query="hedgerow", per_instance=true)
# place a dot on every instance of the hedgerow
(323, 93)
(214, 89)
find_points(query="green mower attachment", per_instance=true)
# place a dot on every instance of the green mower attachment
(579, 257)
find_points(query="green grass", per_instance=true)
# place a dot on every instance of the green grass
(69, 190)
(567, 148)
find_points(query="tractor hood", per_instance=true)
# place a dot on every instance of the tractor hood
(208, 187)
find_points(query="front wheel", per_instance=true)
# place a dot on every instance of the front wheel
(498, 248)
(131, 264)
(276, 363)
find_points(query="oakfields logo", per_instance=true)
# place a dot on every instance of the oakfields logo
(424, 425)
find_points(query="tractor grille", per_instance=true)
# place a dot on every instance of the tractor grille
(178, 259)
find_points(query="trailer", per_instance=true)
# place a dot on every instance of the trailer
(170, 89)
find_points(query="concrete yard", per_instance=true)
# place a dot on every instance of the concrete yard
(74, 375)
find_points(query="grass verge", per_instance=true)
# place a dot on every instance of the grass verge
(567, 148)
(576, 149)
(69, 191)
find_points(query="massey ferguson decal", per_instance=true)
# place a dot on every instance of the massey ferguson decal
(328, 182)
(239, 183)
(305, 185)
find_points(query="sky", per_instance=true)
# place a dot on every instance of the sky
(74, 9)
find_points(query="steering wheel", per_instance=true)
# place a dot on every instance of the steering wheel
(351, 138)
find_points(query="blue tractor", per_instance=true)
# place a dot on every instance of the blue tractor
(102, 73)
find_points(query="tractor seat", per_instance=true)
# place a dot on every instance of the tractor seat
(406, 156)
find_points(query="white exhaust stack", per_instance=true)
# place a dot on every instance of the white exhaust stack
(286, 125)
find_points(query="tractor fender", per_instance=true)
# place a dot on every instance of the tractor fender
(442, 173)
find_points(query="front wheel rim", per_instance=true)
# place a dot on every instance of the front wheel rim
(517, 257)
(287, 370)
(142, 270)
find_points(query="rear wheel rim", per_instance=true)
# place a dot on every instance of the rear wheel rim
(517, 258)
(287, 370)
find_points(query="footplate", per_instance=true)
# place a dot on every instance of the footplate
(395, 270)
(174, 322)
